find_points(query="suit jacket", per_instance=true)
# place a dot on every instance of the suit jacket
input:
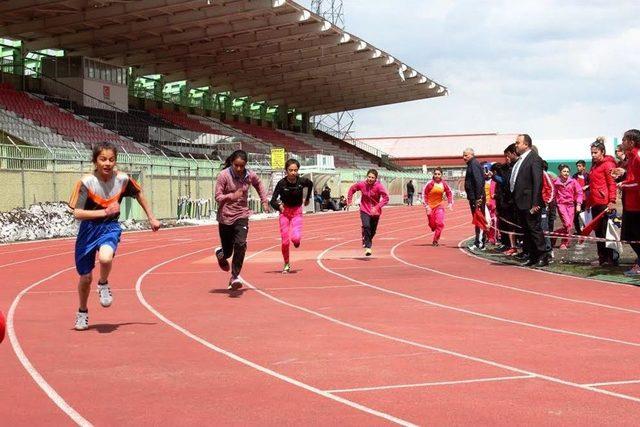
(474, 180)
(527, 191)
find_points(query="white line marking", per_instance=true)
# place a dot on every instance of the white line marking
(613, 383)
(442, 350)
(439, 383)
(75, 291)
(497, 285)
(462, 310)
(247, 362)
(295, 288)
(24, 360)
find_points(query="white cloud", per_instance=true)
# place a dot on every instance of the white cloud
(555, 69)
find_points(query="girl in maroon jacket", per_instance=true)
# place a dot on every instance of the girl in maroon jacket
(602, 196)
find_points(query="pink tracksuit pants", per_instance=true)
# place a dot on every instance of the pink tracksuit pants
(290, 229)
(566, 211)
(436, 222)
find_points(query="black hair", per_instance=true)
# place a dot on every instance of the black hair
(496, 167)
(104, 145)
(581, 162)
(373, 171)
(511, 148)
(291, 162)
(438, 168)
(238, 154)
(633, 135)
(545, 165)
(562, 166)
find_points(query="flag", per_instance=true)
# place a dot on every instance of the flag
(479, 219)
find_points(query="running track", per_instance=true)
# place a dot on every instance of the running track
(413, 335)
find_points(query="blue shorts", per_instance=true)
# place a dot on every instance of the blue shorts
(91, 236)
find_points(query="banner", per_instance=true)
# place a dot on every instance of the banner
(277, 158)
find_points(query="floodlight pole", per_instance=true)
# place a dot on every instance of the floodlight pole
(338, 124)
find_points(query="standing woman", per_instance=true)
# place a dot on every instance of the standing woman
(434, 199)
(374, 197)
(602, 196)
(232, 194)
(287, 198)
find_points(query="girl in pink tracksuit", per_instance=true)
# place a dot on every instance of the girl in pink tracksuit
(433, 196)
(568, 198)
(287, 198)
(374, 197)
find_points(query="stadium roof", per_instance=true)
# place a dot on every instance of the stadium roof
(271, 50)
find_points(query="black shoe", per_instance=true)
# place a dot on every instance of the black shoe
(529, 263)
(522, 256)
(544, 261)
(222, 261)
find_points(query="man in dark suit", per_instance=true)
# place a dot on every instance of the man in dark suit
(525, 184)
(474, 187)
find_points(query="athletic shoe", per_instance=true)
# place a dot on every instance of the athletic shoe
(473, 248)
(234, 283)
(222, 261)
(510, 252)
(104, 292)
(633, 272)
(435, 243)
(296, 245)
(286, 269)
(82, 321)
(367, 252)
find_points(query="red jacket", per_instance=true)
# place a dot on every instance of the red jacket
(602, 186)
(631, 185)
(548, 190)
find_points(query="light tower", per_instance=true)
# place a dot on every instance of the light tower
(338, 124)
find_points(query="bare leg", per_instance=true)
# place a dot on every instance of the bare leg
(105, 256)
(84, 286)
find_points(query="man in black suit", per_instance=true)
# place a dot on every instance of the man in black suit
(525, 184)
(474, 187)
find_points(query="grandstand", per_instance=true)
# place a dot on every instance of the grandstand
(193, 80)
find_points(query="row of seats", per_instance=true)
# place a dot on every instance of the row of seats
(58, 121)
(275, 138)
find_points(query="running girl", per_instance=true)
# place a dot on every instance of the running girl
(287, 198)
(435, 194)
(96, 202)
(232, 194)
(569, 201)
(374, 197)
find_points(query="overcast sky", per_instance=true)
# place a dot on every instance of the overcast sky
(553, 69)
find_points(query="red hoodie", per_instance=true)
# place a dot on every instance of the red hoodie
(602, 186)
(631, 185)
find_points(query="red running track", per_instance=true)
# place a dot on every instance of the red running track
(413, 335)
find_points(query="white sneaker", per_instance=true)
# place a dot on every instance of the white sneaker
(234, 283)
(104, 292)
(82, 321)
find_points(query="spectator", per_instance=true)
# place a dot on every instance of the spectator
(526, 186)
(569, 199)
(410, 191)
(474, 187)
(343, 203)
(506, 210)
(631, 199)
(602, 197)
(327, 202)
(582, 176)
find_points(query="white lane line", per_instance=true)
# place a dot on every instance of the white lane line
(75, 291)
(249, 363)
(613, 383)
(24, 360)
(443, 350)
(497, 285)
(296, 288)
(438, 383)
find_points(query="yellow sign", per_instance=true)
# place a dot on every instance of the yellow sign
(277, 158)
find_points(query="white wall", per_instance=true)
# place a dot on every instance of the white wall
(108, 93)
